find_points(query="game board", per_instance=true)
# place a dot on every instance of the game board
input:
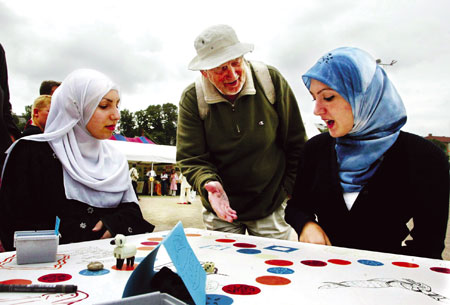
(246, 270)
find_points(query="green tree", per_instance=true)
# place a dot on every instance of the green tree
(143, 122)
(127, 124)
(27, 114)
(21, 120)
(159, 123)
(170, 119)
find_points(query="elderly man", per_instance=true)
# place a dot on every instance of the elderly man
(239, 137)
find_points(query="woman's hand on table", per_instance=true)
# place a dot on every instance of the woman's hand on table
(312, 233)
(98, 227)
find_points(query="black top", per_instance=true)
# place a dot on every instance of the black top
(411, 182)
(31, 130)
(32, 195)
(7, 125)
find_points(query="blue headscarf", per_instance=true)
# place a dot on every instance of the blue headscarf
(378, 111)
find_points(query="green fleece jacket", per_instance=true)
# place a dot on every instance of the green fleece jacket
(252, 147)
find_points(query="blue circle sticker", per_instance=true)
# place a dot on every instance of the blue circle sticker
(280, 270)
(249, 251)
(218, 299)
(94, 273)
(369, 262)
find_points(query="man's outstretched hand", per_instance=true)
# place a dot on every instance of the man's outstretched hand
(219, 201)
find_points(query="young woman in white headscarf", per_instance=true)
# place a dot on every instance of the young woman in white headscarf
(69, 171)
(361, 182)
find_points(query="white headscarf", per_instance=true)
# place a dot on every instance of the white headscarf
(94, 172)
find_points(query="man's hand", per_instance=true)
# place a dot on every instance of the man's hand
(314, 234)
(98, 227)
(219, 201)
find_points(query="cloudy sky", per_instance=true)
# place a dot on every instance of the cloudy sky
(145, 46)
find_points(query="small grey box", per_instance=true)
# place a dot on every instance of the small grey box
(36, 246)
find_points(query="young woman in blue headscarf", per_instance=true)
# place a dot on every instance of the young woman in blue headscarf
(359, 184)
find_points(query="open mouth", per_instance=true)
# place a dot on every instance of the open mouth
(232, 83)
(330, 123)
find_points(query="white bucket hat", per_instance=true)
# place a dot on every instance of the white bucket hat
(217, 45)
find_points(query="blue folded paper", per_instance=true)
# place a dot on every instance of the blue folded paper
(183, 258)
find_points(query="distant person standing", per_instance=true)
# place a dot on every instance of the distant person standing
(48, 87)
(134, 175)
(173, 182)
(8, 129)
(39, 114)
(185, 191)
(164, 183)
(178, 183)
(151, 175)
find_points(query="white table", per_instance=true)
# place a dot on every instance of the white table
(250, 270)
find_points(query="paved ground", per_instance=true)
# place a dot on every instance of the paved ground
(164, 213)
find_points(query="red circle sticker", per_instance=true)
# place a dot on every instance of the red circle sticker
(314, 263)
(339, 262)
(244, 245)
(150, 243)
(405, 264)
(273, 280)
(440, 269)
(241, 289)
(16, 282)
(55, 277)
(125, 267)
(278, 262)
(225, 240)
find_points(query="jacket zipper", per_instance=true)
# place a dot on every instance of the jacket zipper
(237, 125)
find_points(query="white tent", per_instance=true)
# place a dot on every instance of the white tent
(146, 152)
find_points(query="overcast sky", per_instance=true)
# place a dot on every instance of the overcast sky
(145, 46)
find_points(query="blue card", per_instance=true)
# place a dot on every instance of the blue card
(183, 258)
(188, 267)
(57, 225)
(140, 279)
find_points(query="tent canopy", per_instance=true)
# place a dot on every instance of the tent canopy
(140, 139)
(140, 152)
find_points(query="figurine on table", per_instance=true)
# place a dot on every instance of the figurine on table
(123, 251)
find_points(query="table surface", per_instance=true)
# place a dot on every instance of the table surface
(249, 270)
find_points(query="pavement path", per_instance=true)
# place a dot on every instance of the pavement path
(164, 212)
